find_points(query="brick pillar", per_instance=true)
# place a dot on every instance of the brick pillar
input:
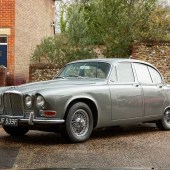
(3, 75)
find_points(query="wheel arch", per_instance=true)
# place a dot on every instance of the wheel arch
(167, 108)
(87, 101)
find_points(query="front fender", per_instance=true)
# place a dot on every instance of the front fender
(79, 98)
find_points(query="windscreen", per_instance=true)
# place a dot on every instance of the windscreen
(98, 70)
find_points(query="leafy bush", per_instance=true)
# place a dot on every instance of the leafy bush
(58, 50)
(114, 24)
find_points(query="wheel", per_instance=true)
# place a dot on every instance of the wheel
(15, 131)
(164, 123)
(79, 123)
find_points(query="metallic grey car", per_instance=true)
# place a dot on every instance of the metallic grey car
(88, 94)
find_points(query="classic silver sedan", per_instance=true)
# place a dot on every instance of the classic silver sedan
(88, 94)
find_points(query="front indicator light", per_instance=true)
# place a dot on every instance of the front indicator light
(49, 113)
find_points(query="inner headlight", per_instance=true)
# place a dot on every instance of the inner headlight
(40, 102)
(28, 101)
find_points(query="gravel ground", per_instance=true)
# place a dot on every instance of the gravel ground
(137, 147)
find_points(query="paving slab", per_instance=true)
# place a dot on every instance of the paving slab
(8, 156)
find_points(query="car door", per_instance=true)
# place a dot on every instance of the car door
(153, 89)
(126, 93)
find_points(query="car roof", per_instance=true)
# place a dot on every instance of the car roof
(112, 60)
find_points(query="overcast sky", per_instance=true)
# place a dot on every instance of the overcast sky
(167, 1)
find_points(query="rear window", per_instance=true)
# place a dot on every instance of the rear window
(156, 77)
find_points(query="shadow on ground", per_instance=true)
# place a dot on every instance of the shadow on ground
(48, 138)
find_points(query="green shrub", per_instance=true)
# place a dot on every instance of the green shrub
(58, 50)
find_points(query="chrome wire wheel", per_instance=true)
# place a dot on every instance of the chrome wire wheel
(80, 123)
(164, 123)
(166, 117)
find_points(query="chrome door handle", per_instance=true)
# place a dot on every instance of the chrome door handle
(136, 85)
(160, 86)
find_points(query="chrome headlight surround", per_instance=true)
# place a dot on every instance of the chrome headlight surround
(40, 101)
(0, 99)
(28, 101)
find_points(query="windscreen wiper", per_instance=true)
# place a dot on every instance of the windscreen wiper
(59, 77)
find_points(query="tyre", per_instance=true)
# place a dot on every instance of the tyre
(15, 131)
(79, 123)
(164, 123)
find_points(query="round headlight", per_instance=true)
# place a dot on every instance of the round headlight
(40, 102)
(28, 101)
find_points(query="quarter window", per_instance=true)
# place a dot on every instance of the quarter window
(156, 78)
(143, 73)
(125, 72)
(113, 75)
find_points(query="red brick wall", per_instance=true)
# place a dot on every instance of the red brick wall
(29, 21)
(7, 20)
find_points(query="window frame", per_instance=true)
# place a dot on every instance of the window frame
(62, 70)
(162, 82)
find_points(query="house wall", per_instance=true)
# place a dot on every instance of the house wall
(7, 28)
(32, 23)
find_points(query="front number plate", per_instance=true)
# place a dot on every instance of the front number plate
(8, 121)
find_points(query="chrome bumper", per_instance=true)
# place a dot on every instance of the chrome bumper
(33, 121)
(41, 121)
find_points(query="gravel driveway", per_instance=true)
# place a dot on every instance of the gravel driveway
(138, 147)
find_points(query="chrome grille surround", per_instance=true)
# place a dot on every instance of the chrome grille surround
(1, 111)
(13, 104)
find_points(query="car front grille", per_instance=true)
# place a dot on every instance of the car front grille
(13, 104)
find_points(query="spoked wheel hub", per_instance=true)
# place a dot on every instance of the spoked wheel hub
(80, 122)
(167, 117)
(164, 123)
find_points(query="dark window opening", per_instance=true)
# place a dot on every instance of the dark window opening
(3, 39)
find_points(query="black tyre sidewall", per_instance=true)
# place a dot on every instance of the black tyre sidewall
(71, 136)
(162, 124)
(15, 131)
(165, 125)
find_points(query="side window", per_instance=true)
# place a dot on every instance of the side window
(125, 72)
(156, 77)
(143, 73)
